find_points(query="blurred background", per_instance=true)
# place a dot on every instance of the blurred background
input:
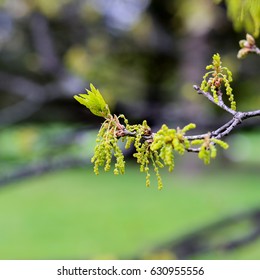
(144, 56)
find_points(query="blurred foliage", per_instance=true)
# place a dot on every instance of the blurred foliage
(132, 50)
(245, 15)
(245, 148)
(48, 8)
(32, 144)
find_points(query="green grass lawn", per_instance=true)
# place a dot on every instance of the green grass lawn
(74, 214)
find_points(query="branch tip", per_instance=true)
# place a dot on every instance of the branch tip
(197, 88)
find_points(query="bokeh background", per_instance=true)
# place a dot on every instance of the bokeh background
(144, 56)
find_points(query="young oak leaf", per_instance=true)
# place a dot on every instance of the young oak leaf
(94, 101)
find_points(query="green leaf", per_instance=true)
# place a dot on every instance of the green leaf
(94, 101)
(245, 14)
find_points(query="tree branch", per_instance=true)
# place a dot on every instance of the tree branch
(224, 130)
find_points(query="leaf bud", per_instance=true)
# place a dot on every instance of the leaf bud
(242, 53)
(250, 39)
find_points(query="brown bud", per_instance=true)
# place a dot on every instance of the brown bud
(242, 53)
(250, 39)
(218, 82)
(242, 43)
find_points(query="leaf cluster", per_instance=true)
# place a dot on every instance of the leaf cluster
(94, 101)
(245, 14)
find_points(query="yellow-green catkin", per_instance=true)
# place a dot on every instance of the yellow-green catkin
(208, 148)
(107, 148)
(167, 141)
(216, 78)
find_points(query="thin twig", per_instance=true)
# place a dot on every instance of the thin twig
(224, 130)
(221, 104)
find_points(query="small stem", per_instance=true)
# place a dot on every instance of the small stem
(193, 150)
(228, 129)
(221, 104)
(223, 127)
(195, 137)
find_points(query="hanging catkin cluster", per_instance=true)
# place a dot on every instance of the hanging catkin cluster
(157, 149)
(152, 150)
